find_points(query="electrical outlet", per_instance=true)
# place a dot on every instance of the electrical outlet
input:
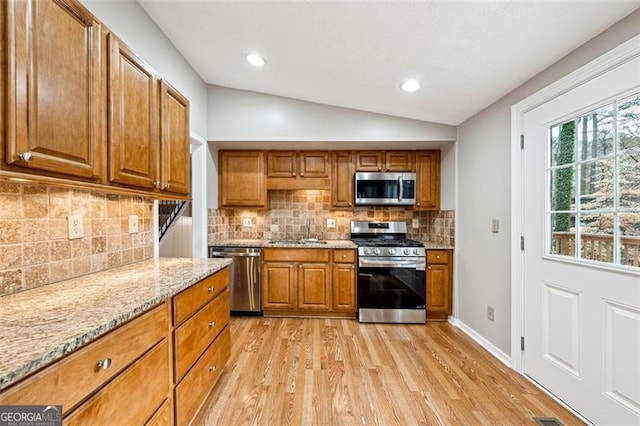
(246, 222)
(491, 314)
(133, 224)
(331, 223)
(415, 223)
(495, 226)
(75, 227)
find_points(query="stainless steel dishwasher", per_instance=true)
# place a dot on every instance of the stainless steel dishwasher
(245, 286)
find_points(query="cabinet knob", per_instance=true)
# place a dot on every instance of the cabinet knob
(344, 256)
(350, 203)
(301, 174)
(437, 257)
(212, 324)
(26, 156)
(428, 267)
(294, 175)
(353, 266)
(417, 204)
(210, 289)
(156, 184)
(212, 368)
(104, 363)
(379, 169)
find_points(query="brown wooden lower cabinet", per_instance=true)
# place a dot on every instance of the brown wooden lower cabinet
(308, 282)
(156, 369)
(439, 284)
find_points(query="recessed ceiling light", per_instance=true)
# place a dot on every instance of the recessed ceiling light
(410, 86)
(255, 60)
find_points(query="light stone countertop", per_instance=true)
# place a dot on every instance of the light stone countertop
(40, 326)
(329, 244)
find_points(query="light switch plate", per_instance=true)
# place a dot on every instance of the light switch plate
(246, 222)
(133, 224)
(75, 226)
(495, 226)
(331, 223)
(415, 223)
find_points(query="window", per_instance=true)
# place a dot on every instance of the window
(594, 185)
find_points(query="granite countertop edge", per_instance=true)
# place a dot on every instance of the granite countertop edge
(22, 325)
(258, 243)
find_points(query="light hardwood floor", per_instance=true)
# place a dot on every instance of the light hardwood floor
(341, 372)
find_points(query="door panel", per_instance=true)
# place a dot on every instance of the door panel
(581, 318)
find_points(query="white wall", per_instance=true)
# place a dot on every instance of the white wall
(484, 147)
(130, 23)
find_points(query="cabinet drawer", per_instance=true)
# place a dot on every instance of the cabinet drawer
(70, 380)
(194, 388)
(187, 302)
(162, 417)
(295, 255)
(135, 394)
(437, 256)
(193, 337)
(344, 256)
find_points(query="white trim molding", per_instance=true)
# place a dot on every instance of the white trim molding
(615, 57)
(493, 349)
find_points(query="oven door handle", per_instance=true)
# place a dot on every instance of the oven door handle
(418, 265)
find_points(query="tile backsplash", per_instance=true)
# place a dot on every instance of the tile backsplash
(35, 250)
(291, 210)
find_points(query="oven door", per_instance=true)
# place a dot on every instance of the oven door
(391, 283)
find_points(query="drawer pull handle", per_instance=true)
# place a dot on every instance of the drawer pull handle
(212, 368)
(210, 289)
(104, 363)
(212, 324)
(26, 156)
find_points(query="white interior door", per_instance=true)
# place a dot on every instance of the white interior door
(581, 316)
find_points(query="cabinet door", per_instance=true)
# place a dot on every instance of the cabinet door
(133, 119)
(242, 179)
(314, 164)
(399, 161)
(369, 161)
(175, 159)
(53, 97)
(281, 164)
(438, 289)
(342, 182)
(314, 286)
(428, 180)
(344, 287)
(278, 286)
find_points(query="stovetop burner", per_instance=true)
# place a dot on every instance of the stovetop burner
(384, 239)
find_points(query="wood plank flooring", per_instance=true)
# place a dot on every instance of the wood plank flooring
(286, 371)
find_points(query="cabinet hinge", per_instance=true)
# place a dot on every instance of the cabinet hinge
(522, 343)
(522, 242)
(521, 141)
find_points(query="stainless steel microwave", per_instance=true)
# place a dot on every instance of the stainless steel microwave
(385, 189)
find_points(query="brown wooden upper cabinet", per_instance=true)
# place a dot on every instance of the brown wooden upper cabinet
(148, 126)
(428, 180)
(298, 170)
(241, 179)
(342, 179)
(54, 102)
(175, 161)
(385, 161)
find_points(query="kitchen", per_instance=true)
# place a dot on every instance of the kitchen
(482, 257)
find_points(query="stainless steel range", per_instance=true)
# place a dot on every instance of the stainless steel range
(391, 273)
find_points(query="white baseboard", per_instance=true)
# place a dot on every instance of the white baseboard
(493, 349)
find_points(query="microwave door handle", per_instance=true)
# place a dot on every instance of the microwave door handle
(399, 188)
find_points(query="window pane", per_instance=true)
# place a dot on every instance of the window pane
(563, 143)
(563, 235)
(594, 132)
(629, 123)
(596, 185)
(630, 239)
(596, 237)
(629, 180)
(563, 193)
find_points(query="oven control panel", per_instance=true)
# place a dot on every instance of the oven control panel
(392, 251)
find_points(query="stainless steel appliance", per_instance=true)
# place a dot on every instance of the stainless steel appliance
(391, 273)
(386, 189)
(245, 286)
